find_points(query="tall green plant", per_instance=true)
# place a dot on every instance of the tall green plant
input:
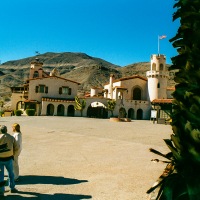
(80, 105)
(182, 179)
(111, 106)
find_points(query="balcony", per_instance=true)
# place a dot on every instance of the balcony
(137, 102)
(157, 73)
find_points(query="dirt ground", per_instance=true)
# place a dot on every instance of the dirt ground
(73, 158)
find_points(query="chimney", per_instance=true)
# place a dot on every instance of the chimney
(111, 85)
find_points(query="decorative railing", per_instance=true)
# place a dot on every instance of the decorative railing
(158, 73)
(137, 102)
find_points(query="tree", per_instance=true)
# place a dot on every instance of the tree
(80, 105)
(182, 180)
(111, 106)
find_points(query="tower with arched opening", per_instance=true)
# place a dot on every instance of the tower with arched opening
(157, 77)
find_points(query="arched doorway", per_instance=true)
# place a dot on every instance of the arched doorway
(60, 110)
(50, 109)
(139, 114)
(131, 113)
(97, 110)
(70, 111)
(20, 105)
(137, 94)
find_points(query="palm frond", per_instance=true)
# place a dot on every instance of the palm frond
(167, 156)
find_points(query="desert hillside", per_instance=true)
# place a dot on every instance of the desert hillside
(80, 67)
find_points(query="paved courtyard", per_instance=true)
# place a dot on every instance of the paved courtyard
(73, 158)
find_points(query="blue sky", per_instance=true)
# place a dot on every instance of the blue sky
(119, 31)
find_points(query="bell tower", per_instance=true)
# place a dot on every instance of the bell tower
(36, 69)
(157, 77)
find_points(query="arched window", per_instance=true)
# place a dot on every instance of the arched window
(158, 85)
(137, 94)
(161, 67)
(154, 66)
(36, 74)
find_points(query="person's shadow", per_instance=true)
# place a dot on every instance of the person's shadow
(54, 180)
(30, 179)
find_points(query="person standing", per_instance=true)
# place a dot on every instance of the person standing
(18, 137)
(8, 148)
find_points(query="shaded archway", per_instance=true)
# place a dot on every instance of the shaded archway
(131, 113)
(20, 105)
(139, 114)
(70, 111)
(137, 94)
(60, 110)
(36, 74)
(97, 110)
(50, 109)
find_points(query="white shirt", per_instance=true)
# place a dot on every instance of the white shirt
(18, 138)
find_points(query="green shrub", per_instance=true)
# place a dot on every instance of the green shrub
(1, 113)
(18, 112)
(30, 112)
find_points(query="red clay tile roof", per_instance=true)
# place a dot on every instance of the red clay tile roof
(31, 101)
(58, 100)
(120, 87)
(131, 77)
(55, 77)
(162, 101)
(171, 88)
(96, 88)
(127, 78)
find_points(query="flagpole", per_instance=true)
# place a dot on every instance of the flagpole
(160, 38)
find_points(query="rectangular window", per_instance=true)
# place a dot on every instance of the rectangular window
(70, 91)
(36, 89)
(60, 90)
(41, 88)
(65, 90)
(46, 89)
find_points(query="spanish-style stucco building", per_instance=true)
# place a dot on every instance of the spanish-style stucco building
(135, 96)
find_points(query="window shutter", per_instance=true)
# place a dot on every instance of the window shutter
(46, 89)
(70, 91)
(36, 89)
(60, 90)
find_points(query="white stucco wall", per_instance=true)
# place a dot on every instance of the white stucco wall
(44, 105)
(130, 84)
(53, 84)
(15, 98)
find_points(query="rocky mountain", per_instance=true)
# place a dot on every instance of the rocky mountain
(80, 67)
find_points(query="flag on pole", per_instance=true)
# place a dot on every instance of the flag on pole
(162, 37)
